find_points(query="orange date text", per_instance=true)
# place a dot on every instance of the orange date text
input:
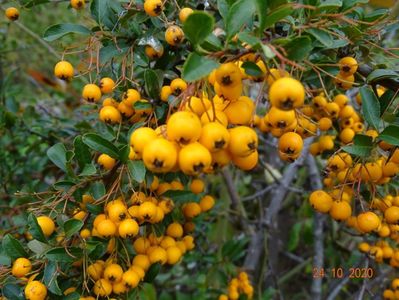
(339, 272)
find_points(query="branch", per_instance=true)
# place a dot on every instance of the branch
(38, 38)
(254, 252)
(271, 212)
(259, 193)
(318, 233)
(334, 293)
(364, 285)
(236, 204)
(281, 189)
(234, 197)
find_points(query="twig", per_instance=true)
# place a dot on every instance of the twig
(259, 193)
(295, 270)
(38, 38)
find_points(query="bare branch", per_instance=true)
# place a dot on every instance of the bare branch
(236, 204)
(364, 285)
(271, 212)
(318, 234)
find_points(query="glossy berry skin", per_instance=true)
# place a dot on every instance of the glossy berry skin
(153, 8)
(64, 70)
(368, 221)
(35, 290)
(91, 93)
(184, 13)
(21, 267)
(46, 224)
(12, 13)
(78, 4)
(321, 201)
(347, 66)
(287, 93)
(174, 35)
(107, 85)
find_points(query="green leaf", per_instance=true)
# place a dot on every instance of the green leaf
(390, 135)
(88, 170)
(152, 83)
(240, 13)
(95, 209)
(59, 30)
(64, 185)
(50, 275)
(152, 272)
(268, 52)
(105, 12)
(330, 3)
(379, 74)
(161, 110)
(197, 34)
(252, 69)
(322, 36)
(137, 170)
(12, 247)
(212, 43)
(57, 154)
(223, 8)
(386, 100)
(362, 146)
(362, 151)
(72, 226)
(294, 237)
(5, 260)
(124, 152)
(34, 229)
(72, 296)
(148, 292)
(298, 48)
(197, 67)
(370, 107)
(351, 3)
(248, 38)
(82, 153)
(181, 196)
(234, 249)
(261, 10)
(96, 249)
(98, 143)
(13, 292)
(61, 255)
(97, 190)
(38, 248)
(277, 14)
(363, 140)
(376, 14)
(111, 51)
(142, 105)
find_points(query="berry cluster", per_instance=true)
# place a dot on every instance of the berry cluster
(238, 286)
